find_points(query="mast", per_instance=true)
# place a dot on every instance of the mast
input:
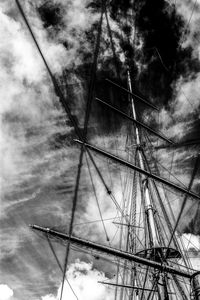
(153, 234)
(155, 256)
(149, 209)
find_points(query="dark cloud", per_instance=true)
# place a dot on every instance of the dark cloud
(51, 14)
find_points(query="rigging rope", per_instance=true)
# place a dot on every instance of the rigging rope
(62, 98)
(97, 201)
(169, 223)
(67, 109)
(59, 265)
(54, 81)
(72, 218)
(87, 115)
(185, 198)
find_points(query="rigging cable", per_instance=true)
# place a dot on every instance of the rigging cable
(157, 162)
(120, 175)
(54, 81)
(59, 264)
(185, 198)
(97, 201)
(62, 98)
(167, 219)
(189, 242)
(95, 221)
(108, 164)
(60, 95)
(185, 257)
(87, 115)
(72, 218)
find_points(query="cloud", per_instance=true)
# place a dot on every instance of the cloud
(188, 100)
(191, 244)
(190, 12)
(84, 280)
(29, 118)
(6, 292)
(78, 15)
(178, 119)
(30, 122)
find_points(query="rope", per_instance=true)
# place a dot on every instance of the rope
(61, 97)
(169, 223)
(80, 224)
(88, 109)
(59, 264)
(72, 218)
(56, 86)
(72, 119)
(185, 198)
(144, 283)
(97, 201)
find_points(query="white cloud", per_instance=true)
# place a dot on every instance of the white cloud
(84, 281)
(191, 244)
(77, 14)
(188, 99)
(17, 53)
(6, 292)
(191, 241)
(189, 10)
(27, 112)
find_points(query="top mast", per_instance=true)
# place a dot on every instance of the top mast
(155, 250)
(153, 234)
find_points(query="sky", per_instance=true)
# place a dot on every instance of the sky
(38, 171)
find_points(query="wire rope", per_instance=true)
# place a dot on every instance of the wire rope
(97, 201)
(95, 221)
(108, 164)
(59, 264)
(87, 115)
(185, 198)
(185, 257)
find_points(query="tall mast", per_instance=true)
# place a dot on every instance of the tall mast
(154, 250)
(153, 234)
(149, 210)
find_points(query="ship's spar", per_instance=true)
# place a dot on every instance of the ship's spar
(156, 256)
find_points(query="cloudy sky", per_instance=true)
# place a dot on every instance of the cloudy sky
(38, 160)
